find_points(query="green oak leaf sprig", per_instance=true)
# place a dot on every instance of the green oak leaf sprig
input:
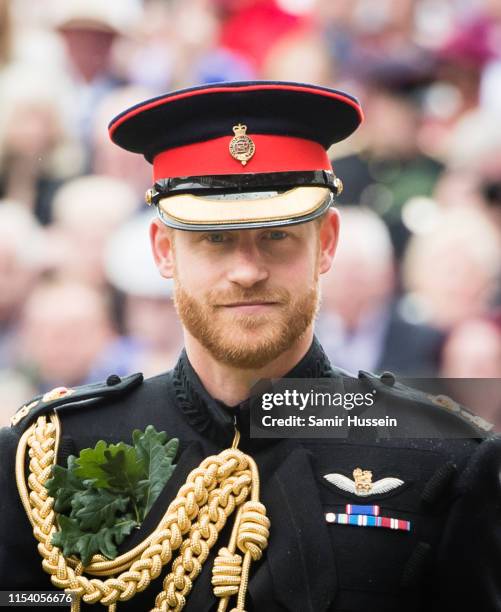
(107, 491)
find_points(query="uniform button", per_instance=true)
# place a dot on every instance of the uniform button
(330, 517)
(113, 380)
(388, 378)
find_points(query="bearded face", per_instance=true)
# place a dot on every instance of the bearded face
(247, 328)
(253, 310)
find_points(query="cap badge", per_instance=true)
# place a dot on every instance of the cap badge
(363, 486)
(242, 147)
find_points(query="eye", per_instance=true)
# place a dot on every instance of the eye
(217, 237)
(276, 235)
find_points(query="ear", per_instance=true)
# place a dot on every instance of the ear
(329, 232)
(162, 245)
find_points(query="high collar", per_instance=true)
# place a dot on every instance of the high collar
(214, 419)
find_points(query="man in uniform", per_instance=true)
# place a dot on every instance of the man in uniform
(244, 193)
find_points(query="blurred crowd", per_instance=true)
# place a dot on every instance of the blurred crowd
(415, 287)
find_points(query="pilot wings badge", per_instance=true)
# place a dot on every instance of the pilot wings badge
(363, 485)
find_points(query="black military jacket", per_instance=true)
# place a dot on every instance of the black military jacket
(450, 560)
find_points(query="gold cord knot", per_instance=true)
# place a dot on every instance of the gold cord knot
(226, 573)
(254, 530)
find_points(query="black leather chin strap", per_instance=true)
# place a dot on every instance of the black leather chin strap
(238, 183)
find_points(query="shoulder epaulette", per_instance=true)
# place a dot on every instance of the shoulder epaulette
(113, 386)
(387, 383)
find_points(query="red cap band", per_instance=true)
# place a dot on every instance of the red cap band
(272, 154)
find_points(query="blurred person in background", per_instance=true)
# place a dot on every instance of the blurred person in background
(65, 327)
(112, 161)
(385, 28)
(178, 43)
(465, 83)
(89, 28)
(460, 62)
(149, 57)
(86, 210)
(336, 21)
(362, 34)
(391, 167)
(473, 145)
(474, 156)
(473, 350)
(458, 188)
(36, 151)
(252, 27)
(472, 181)
(300, 56)
(202, 54)
(152, 337)
(452, 271)
(360, 324)
(21, 261)
(471, 48)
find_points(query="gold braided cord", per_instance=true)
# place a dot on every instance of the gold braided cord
(230, 575)
(190, 527)
(252, 534)
(227, 570)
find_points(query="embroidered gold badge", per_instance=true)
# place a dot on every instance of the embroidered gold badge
(363, 481)
(22, 412)
(56, 394)
(242, 148)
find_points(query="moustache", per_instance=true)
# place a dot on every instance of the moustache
(225, 298)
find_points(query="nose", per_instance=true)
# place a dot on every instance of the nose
(247, 267)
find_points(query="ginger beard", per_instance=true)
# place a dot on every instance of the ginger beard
(247, 341)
